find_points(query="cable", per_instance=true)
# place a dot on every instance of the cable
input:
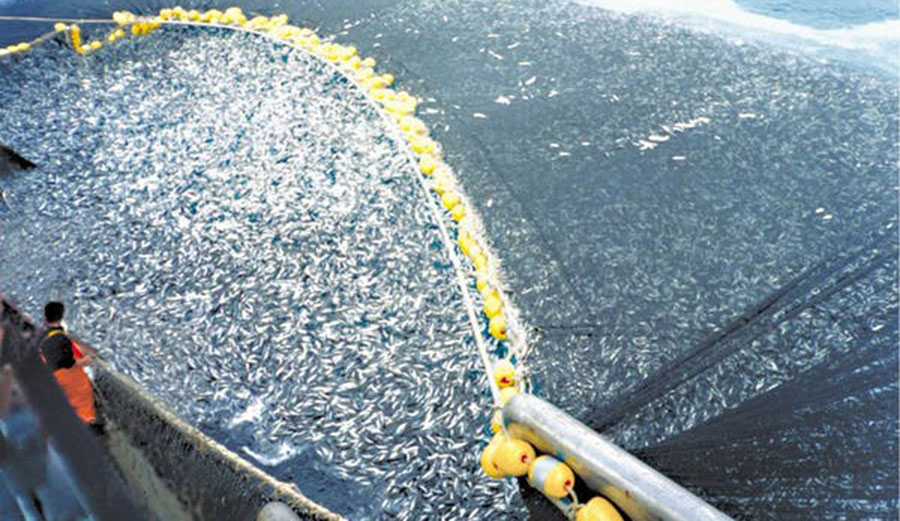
(56, 20)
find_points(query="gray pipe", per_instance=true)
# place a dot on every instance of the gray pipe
(639, 490)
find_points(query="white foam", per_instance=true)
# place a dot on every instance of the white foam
(880, 40)
(252, 413)
(284, 452)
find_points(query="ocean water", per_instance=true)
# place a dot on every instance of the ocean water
(865, 33)
(694, 204)
(825, 14)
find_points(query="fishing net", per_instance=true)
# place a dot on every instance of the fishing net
(696, 229)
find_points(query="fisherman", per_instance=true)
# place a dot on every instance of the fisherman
(67, 360)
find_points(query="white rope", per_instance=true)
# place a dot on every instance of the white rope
(56, 20)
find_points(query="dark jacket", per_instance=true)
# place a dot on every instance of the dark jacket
(56, 349)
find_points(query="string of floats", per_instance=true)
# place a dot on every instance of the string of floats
(503, 456)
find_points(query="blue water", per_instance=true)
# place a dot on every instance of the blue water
(865, 33)
(825, 14)
(878, 44)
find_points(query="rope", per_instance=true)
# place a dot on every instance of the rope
(56, 20)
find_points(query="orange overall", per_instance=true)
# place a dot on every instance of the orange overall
(76, 385)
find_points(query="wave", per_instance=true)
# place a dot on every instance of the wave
(875, 42)
(273, 457)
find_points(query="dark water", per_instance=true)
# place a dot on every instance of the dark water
(701, 235)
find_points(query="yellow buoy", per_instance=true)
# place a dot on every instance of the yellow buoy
(504, 374)
(310, 42)
(458, 212)
(388, 79)
(479, 261)
(427, 164)
(410, 124)
(22, 47)
(406, 97)
(123, 17)
(76, 39)
(95, 45)
(497, 327)
(417, 126)
(259, 22)
(60, 27)
(465, 242)
(396, 108)
(422, 145)
(513, 457)
(440, 186)
(598, 509)
(282, 32)
(450, 199)
(405, 123)
(551, 476)
(492, 304)
(507, 393)
(481, 282)
(497, 421)
(443, 178)
(211, 16)
(369, 62)
(388, 94)
(488, 461)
